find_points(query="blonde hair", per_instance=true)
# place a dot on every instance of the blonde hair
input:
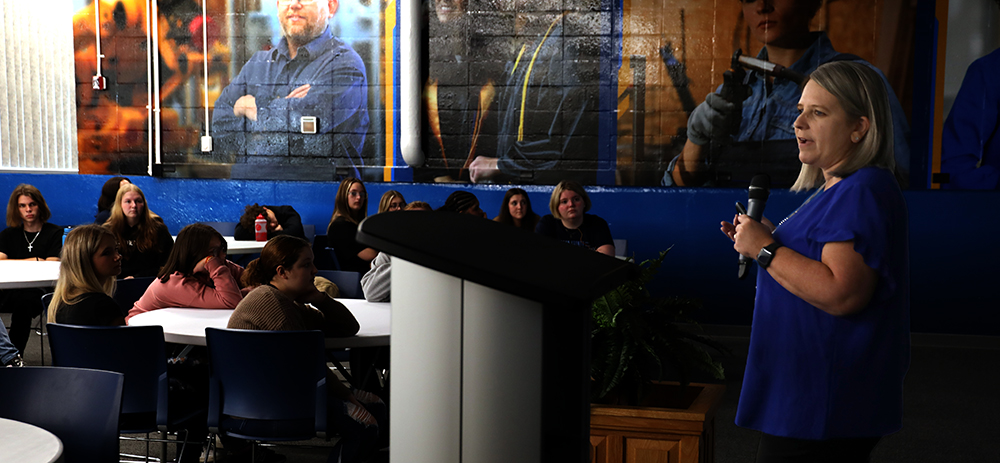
(861, 93)
(76, 270)
(387, 198)
(567, 185)
(148, 224)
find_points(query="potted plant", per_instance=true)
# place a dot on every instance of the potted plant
(636, 342)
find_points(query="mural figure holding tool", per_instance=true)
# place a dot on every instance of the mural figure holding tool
(746, 127)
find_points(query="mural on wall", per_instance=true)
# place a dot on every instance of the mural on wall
(602, 92)
(292, 89)
(516, 93)
(970, 152)
(677, 52)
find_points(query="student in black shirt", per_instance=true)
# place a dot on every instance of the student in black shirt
(30, 237)
(281, 220)
(90, 266)
(350, 208)
(570, 223)
(143, 238)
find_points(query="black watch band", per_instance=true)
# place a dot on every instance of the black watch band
(766, 254)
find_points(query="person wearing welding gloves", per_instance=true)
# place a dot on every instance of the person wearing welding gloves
(783, 27)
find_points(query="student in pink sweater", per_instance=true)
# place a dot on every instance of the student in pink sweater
(196, 275)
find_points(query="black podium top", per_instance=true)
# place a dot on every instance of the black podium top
(496, 255)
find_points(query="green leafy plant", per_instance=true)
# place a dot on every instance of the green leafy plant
(637, 339)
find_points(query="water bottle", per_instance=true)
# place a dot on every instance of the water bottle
(260, 228)
(65, 233)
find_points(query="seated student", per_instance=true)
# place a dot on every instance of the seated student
(284, 273)
(462, 202)
(570, 223)
(90, 266)
(9, 355)
(392, 200)
(281, 220)
(350, 208)
(144, 240)
(108, 193)
(196, 275)
(418, 206)
(516, 210)
(28, 236)
(375, 283)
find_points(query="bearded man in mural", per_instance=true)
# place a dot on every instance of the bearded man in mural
(771, 108)
(265, 115)
(548, 108)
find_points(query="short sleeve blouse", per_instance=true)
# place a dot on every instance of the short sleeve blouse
(812, 375)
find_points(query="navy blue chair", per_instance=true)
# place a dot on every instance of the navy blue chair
(325, 258)
(267, 385)
(349, 283)
(309, 230)
(79, 406)
(127, 291)
(138, 352)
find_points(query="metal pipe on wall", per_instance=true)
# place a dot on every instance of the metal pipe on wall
(409, 83)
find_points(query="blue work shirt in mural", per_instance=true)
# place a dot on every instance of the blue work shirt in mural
(970, 152)
(770, 111)
(337, 97)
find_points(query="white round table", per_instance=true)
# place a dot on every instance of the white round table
(24, 443)
(187, 326)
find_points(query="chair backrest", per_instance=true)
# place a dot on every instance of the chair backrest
(79, 406)
(46, 300)
(349, 283)
(325, 258)
(127, 291)
(309, 230)
(224, 228)
(138, 352)
(621, 247)
(274, 381)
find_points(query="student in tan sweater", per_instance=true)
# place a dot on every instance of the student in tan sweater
(287, 300)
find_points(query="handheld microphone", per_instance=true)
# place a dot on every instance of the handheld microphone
(760, 189)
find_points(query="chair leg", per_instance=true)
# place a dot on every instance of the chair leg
(163, 446)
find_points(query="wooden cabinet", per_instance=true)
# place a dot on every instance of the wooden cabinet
(650, 434)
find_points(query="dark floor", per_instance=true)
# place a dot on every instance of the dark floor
(951, 404)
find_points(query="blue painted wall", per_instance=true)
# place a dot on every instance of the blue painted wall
(953, 271)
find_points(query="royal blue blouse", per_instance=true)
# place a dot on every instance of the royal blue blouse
(812, 375)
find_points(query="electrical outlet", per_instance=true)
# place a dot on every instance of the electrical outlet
(99, 83)
(206, 144)
(308, 124)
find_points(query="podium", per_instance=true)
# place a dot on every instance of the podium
(490, 354)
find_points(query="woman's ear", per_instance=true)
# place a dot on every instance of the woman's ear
(281, 272)
(860, 129)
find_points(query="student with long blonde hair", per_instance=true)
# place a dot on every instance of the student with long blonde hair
(90, 266)
(392, 200)
(145, 241)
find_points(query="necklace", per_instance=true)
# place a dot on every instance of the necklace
(30, 243)
(810, 198)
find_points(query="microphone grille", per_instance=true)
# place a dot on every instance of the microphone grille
(760, 186)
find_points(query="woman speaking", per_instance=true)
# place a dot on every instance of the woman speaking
(830, 343)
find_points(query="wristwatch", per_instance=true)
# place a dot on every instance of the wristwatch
(766, 254)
